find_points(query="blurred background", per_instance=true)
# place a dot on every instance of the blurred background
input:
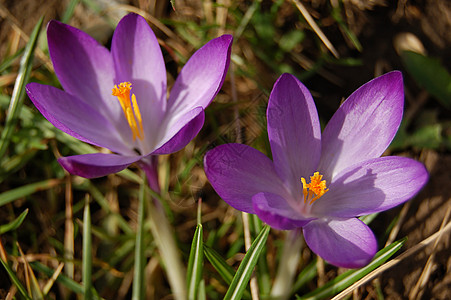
(332, 46)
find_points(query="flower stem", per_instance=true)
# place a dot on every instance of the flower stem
(163, 234)
(288, 264)
(87, 252)
(138, 292)
(150, 167)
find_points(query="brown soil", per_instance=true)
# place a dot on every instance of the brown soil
(430, 21)
(424, 217)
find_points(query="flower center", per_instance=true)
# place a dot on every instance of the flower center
(130, 108)
(315, 189)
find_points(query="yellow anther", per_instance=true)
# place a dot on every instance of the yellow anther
(137, 115)
(130, 108)
(315, 189)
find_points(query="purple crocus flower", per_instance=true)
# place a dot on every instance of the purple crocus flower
(118, 99)
(322, 182)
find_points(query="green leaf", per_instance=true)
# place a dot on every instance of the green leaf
(264, 27)
(289, 40)
(429, 136)
(195, 263)
(26, 190)
(346, 279)
(14, 224)
(244, 272)
(429, 74)
(19, 88)
(15, 162)
(15, 280)
(426, 136)
(87, 252)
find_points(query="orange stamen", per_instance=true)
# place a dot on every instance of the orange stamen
(130, 108)
(315, 189)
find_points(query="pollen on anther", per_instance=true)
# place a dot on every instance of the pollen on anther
(315, 189)
(130, 108)
(122, 88)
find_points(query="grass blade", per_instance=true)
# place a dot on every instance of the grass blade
(9, 60)
(14, 224)
(308, 273)
(221, 266)
(263, 276)
(36, 291)
(69, 11)
(195, 262)
(15, 280)
(19, 88)
(138, 292)
(49, 284)
(367, 219)
(430, 74)
(32, 283)
(346, 279)
(201, 295)
(62, 279)
(246, 267)
(87, 252)
(26, 190)
(336, 14)
(105, 205)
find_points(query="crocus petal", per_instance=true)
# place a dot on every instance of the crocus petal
(372, 186)
(294, 131)
(84, 67)
(96, 164)
(185, 134)
(201, 78)
(76, 118)
(364, 125)
(138, 59)
(346, 243)
(238, 172)
(275, 211)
